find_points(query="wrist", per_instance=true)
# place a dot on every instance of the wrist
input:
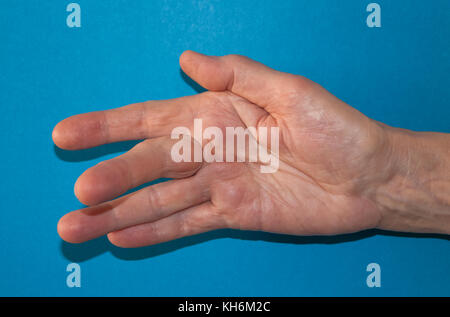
(414, 195)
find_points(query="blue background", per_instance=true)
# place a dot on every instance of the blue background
(126, 52)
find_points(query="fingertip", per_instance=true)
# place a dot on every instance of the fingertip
(188, 61)
(187, 57)
(67, 134)
(100, 183)
(114, 238)
(184, 56)
(86, 191)
(86, 224)
(68, 229)
(208, 71)
(81, 193)
(59, 136)
(56, 135)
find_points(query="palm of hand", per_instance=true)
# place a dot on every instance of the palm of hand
(315, 190)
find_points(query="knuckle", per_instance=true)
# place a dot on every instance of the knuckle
(301, 83)
(234, 58)
(153, 200)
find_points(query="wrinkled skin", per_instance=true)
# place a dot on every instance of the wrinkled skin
(332, 158)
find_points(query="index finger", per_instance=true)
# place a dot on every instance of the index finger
(133, 122)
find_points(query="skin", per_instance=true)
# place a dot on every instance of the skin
(339, 171)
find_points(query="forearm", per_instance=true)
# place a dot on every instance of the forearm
(416, 195)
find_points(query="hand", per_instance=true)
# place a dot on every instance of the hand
(333, 161)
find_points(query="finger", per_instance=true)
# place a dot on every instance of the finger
(132, 122)
(146, 205)
(245, 77)
(194, 220)
(147, 161)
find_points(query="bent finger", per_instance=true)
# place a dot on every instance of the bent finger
(146, 205)
(194, 220)
(149, 160)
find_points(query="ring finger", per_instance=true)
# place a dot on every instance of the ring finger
(146, 205)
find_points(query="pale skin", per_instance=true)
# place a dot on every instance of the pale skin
(339, 171)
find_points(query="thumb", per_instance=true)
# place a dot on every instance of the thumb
(241, 75)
